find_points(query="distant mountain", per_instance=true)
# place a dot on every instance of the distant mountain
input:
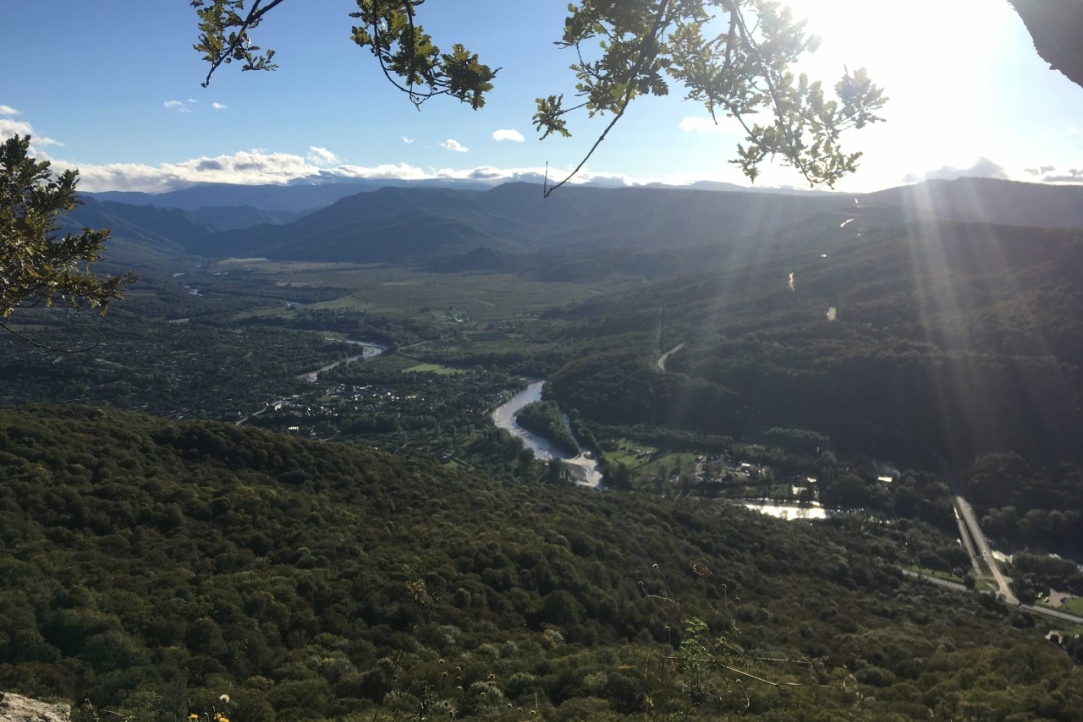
(413, 235)
(147, 223)
(231, 218)
(512, 217)
(301, 196)
(365, 217)
(264, 197)
(736, 188)
(415, 223)
(143, 238)
(986, 200)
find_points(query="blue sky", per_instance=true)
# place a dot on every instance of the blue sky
(114, 89)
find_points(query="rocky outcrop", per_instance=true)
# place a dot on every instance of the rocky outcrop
(16, 708)
(1057, 28)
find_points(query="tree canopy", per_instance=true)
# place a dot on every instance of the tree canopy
(36, 265)
(733, 56)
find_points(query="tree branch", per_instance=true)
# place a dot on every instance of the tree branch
(253, 19)
(628, 94)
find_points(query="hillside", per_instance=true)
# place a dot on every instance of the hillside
(899, 340)
(152, 567)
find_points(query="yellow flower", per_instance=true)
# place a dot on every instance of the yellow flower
(193, 716)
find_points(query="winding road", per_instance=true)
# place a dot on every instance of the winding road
(665, 357)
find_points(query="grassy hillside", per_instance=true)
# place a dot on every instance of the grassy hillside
(152, 567)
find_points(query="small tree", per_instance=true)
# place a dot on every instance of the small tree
(37, 265)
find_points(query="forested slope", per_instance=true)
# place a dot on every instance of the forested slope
(963, 337)
(152, 567)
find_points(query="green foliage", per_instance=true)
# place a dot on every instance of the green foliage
(152, 567)
(741, 71)
(219, 43)
(545, 419)
(37, 266)
(1029, 502)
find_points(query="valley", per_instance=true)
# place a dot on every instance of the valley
(338, 402)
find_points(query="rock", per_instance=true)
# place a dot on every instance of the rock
(16, 708)
(1055, 26)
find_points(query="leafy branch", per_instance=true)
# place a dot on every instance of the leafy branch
(221, 45)
(733, 56)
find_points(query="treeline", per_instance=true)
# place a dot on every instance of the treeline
(1029, 503)
(152, 567)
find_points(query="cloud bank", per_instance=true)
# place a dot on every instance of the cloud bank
(9, 127)
(322, 156)
(982, 168)
(258, 167)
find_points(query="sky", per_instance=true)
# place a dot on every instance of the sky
(114, 90)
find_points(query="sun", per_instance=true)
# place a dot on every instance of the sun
(924, 38)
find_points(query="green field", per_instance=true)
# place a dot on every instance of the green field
(668, 462)
(1073, 605)
(625, 451)
(432, 369)
(937, 574)
(461, 299)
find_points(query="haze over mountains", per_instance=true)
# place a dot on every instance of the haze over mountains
(420, 224)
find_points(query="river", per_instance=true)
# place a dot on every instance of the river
(582, 468)
(787, 512)
(368, 350)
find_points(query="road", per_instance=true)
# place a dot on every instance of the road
(665, 357)
(969, 545)
(978, 545)
(955, 586)
(982, 545)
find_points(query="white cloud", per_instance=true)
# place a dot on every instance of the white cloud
(695, 124)
(983, 168)
(454, 145)
(322, 156)
(508, 134)
(8, 110)
(10, 127)
(257, 167)
(177, 105)
(193, 101)
(219, 106)
(408, 140)
(1072, 130)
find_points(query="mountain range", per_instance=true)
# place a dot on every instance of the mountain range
(449, 226)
